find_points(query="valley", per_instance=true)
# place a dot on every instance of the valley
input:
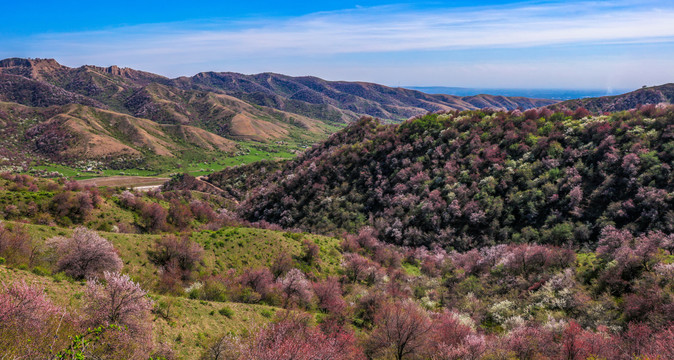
(242, 217)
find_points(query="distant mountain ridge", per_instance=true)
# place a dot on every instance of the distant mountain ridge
(341, 100)
(538, 93)
(644, 96)
(211, 111)
(332, 101)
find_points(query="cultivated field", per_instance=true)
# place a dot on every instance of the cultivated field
(126, 181)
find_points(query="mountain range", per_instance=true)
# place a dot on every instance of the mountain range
(110, 114)
(646, 95)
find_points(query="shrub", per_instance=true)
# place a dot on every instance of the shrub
(85, 254)
(16, 246)
(296, 288)
(120, 301)
(27, 316)
(226, 311)
(176, 256)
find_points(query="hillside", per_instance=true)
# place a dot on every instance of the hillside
(191, 320)
(105, 118)
(161, 99)
(196, 282)
(43, 83)
(74, 133)
(466, 179)
(343, 101)
(644, 96)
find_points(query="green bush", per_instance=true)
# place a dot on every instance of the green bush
(40, 271)
(266, 313)
(60, 276)
(194, 294)
(226, 311)
(2, 260)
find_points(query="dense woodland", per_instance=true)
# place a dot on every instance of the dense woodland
(461, 235)
(469, 179)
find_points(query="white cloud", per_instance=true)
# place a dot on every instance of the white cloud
(176, 48)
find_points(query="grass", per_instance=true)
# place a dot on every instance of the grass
(191, 326)
(126, 181)
(411, 269)
(235, 248)
(193, 162)
(240, 248)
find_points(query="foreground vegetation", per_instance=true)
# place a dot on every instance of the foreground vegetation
(195, 271)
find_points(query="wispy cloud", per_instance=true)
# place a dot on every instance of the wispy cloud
(375, 30)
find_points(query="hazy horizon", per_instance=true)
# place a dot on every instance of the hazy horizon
(486, 44)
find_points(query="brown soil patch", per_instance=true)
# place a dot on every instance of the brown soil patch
(126, 181)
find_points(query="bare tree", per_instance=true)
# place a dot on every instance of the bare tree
(401, 330)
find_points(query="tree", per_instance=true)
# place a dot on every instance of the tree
(154, 217)
(179, 214)
(295, 287)
(282, 264)
(225, 347)
(454, 338)
(30, 324)
(24, 305)
(329, 294)
(312, 252)
(120, 301)
(72, 206)
(358, 267)
(261, 280)
(293, 339)
(85, 254)
(177, 256)
(401, 330)
(202, 211)
(531, 342)
(16, 245)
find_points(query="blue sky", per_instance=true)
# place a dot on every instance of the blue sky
(534, 44)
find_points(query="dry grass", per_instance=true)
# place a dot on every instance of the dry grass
(125, 181)
(247, 127)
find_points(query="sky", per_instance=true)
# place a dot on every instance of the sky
(495, 44)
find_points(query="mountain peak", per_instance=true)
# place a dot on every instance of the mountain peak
(28, 62)
(127, 73)
(31, 68)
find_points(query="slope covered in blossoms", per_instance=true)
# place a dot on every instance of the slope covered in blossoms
(472, 178)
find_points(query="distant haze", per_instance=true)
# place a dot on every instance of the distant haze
(537, 44)
(554, 94)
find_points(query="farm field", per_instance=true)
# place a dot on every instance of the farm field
(124, 181)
